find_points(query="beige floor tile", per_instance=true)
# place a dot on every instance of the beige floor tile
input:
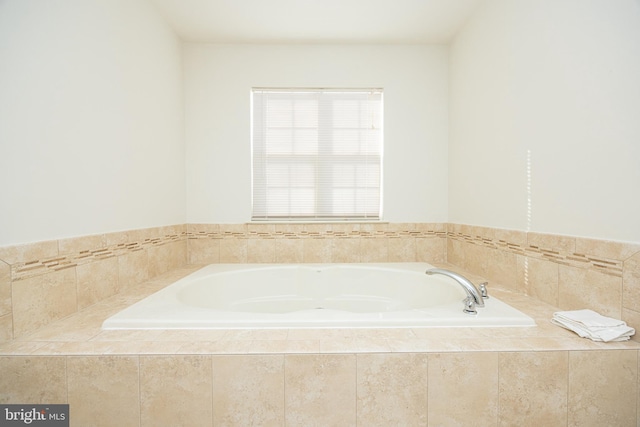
(151, 347)
(204, 251)
(410, 345)
(583, 288)
(384, 333)
(133, 268)
(33, 379)
(606, 249)
(339, 345)
(190, 335)
(215, 347)
(603, 388)
(374, 249)
(102, 388)
(540, 279)
(131, 335)
(166, 257)
(431, 249)
(233, 250)
(255, 334)
(248, 390)
(345, 250)
(320, 334)
(79, 327)
(284, 346)
(89, 348)
(175, 390)
(559, 343)
(16, 348)
(632, 318)
(261, 250)
(6, 328)
(369, 345)
(316, 250)
(5, 289)
(320, 390)
(401, 249)
(463, 389)
(503, 268)
(40, 300)
(29, 252)
(392, 389)
(631, 283)
(552, 242)
(289, 250)
(533, 388)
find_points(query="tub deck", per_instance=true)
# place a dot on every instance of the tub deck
(409, 376)
(81, 334)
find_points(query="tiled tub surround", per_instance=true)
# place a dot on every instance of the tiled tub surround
(314, 243)
(46, 281)
(566, 272)
(348, 377)
(54, 296)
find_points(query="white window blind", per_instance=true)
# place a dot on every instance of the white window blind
(316, 154)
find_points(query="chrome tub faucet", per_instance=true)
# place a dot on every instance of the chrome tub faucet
(474, 296)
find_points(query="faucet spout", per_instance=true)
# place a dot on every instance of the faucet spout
(466, 284)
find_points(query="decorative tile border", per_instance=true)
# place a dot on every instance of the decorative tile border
(558, 249)
(270, 232)
(46, 257)
(562, 256)
(29, 268)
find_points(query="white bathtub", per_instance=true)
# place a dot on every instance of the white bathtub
(227, 296)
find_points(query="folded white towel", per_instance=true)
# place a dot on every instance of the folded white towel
(592, 325)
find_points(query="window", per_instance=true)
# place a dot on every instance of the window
(316, 154)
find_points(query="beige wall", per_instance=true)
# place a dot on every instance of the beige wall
(543, 125)
(90, 119)
(218, 81)
(526, 122)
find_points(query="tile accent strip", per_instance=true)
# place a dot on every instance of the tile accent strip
(562, 256)
(480, 236)
(312, 234)
(25, 269)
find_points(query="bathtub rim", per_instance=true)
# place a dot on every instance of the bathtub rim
(393, 320)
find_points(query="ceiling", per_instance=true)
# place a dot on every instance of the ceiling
(316, 21)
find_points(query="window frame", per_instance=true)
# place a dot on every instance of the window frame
(370, 159)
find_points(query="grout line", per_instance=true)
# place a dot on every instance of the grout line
(139, 391)
(213, 415)
(284, 389)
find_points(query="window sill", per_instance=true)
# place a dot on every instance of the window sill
(323, 221)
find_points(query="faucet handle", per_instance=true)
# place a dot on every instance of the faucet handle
(483, 290)
(469, 306)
